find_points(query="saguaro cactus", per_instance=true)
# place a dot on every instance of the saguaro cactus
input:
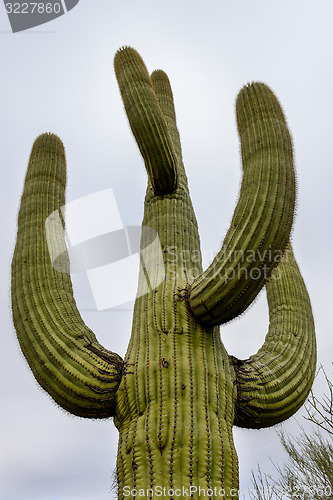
(177, 394)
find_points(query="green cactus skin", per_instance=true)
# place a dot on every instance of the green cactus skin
(178, 393)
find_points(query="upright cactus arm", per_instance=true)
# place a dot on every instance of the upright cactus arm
(163, 91)
(63, 353)
(263, 217)
(275, 382)
(147, 120)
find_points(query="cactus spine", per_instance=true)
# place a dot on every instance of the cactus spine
(177, 394)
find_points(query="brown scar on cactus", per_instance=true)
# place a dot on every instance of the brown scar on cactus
(175, 398)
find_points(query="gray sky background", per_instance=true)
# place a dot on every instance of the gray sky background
(59, 77)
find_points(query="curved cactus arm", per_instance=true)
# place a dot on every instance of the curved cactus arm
(63, 353)
(147, 120)
(262, 221)
(274, 383)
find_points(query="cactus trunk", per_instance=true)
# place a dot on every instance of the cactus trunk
(177, 395)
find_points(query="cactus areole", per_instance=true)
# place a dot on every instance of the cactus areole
(177, 394)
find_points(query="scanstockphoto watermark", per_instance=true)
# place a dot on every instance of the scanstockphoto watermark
(24, 15)
(183, 492)
(221, 493)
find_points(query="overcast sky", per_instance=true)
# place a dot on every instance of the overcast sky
(59, 77)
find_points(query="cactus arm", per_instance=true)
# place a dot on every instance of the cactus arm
(147, 121)
(163, 91)
(63, 353)
(274, 383)
(261, 224)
